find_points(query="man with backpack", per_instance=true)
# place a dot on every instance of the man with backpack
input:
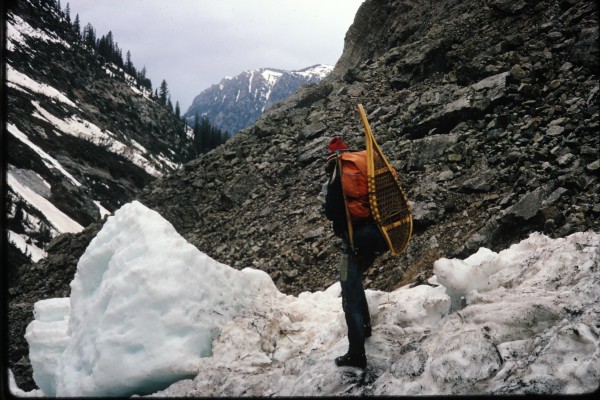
(347, 206)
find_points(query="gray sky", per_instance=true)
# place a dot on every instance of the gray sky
(193, 44)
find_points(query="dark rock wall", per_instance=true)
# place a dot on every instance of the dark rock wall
(98, 95)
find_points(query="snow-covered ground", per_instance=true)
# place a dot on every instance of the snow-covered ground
(150, 314)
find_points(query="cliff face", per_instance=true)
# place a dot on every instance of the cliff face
(82, 135)
(487, 109)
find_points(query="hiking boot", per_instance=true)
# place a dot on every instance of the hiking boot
(347, 360)
(367, 331)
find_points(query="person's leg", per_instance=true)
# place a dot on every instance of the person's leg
(352, 303)
(364, 307)
(370, 243)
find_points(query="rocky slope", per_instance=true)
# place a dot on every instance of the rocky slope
(237, 102)
(488, 110)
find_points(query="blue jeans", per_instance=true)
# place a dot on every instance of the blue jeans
(368, 244)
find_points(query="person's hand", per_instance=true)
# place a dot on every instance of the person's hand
(330, 163)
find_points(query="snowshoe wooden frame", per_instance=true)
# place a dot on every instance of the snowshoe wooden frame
(389, 204)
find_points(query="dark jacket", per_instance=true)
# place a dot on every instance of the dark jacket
(335, 210)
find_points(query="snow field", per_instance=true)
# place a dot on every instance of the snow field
(151, 314)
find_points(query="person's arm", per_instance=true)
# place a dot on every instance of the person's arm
(334, 204)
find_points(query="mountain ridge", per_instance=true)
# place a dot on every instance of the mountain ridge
(237, 101)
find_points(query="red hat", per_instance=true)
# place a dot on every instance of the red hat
(336, 144)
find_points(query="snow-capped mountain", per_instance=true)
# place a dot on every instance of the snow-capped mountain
(236, 102)
(82, 134)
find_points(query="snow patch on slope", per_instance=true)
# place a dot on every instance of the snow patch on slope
(50, 161)
(17, 31)
(57, 218)
(22, 82)
(86, 130)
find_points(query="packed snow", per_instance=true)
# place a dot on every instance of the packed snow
(103, 211)
(271, 77)
(59, 221)
(21, 242)
(149, 314)
(319, 70)
(29, 187)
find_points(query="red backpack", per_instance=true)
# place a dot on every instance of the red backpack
(354, 185)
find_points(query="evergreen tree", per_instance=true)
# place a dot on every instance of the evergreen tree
(198, 145)
(68, 13)
(109, 41)
(177, 110)
(129, 68)
(77, 26)
(102, 48)
(164, 93)
(45, 234)
(19, 215)
(206, 136)
(109, 50)
(89, 36)
(109, 47)
(144, 82)
(118, 56)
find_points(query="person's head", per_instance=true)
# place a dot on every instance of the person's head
(336, 144)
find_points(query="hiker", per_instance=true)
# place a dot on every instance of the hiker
(358, 255)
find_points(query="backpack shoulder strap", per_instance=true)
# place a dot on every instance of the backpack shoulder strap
(348, 219)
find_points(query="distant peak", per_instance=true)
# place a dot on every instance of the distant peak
(236, 102)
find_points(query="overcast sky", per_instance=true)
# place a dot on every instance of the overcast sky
(193, 44)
